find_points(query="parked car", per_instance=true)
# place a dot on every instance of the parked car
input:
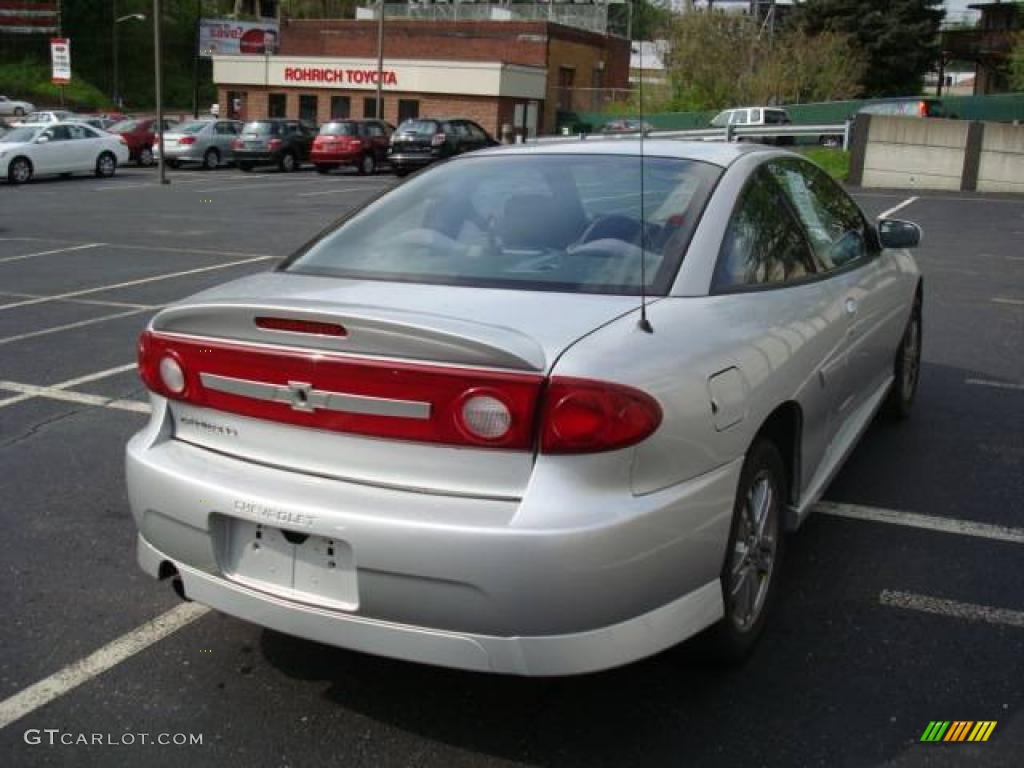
(453, 429)
(62, 148)
(208, 142)
(274, 141)
(14, 108)
(909, 107)
(96, 121)
(759, 116)
(140, 134)
(419, 142)
(627, 125)
(46, 116)
(360, 143)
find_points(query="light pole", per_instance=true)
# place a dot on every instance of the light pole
(380, 62)
(117, 20)
(159, 77)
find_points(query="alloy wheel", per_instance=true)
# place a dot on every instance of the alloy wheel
(753, 557)
(105, 165)
(20, 171)
(911, 357)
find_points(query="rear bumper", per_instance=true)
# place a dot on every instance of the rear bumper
(256, 158)
(341, 158)
(409, 162)
(453, 581)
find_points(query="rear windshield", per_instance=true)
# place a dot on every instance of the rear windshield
(574, 223)
(419, 127)
(263, 129)
(196, 127)
(125, 126)
(339, 129)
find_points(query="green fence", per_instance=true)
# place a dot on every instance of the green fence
(1000, 108)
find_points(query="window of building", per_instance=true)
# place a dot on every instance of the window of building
(408, 109)
(307, 107)
(566, 78)
(236, 105)
(370, 107)
(341, 107)
(277, 105)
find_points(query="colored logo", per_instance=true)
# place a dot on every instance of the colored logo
(958, 730)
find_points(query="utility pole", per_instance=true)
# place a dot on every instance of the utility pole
(195, 61)
(380, 62)
(113, 34)
(159, 77)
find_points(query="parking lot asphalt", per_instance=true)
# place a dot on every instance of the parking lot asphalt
(902, 603)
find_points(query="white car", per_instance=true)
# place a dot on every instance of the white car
(46, 116)
(63, 148)
(15, 108)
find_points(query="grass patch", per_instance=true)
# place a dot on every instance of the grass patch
(835, 161)
(30, 80)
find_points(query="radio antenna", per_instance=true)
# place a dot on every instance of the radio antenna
(643, 324)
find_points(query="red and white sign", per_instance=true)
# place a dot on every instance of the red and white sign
(28, 17)
(227, 36)
(338, 75)
(60, 56)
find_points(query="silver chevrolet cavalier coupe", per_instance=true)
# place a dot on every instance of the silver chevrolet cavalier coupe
(538, 410)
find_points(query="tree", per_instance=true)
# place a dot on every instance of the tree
(899, 37)
(718, 60)
(1017, 64)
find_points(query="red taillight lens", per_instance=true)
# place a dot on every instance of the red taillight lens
(274, 143)
(922, 109)
(187, 140)
(582, 416)
(437, 140)
(238, 144)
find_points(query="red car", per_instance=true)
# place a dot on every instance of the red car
(361, 143)
(140, 134)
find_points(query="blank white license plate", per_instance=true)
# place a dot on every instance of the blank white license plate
(311, 569)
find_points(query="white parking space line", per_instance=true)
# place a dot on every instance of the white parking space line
(89, 302)
(160, 248)
(130, 283)
(275, 184)
(995, 384)
(897, 208)
(67, 396)
(925, 522)
(89, 377)
(48, 253)
(1011, 302)
(110, 655)
(69, 326)
(951, 608)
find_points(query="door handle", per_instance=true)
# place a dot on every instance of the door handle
(851, 306)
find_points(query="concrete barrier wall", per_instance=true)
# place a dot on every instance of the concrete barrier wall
(1001, 167)
(911, 153)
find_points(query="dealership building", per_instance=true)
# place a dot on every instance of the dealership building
(495, 69)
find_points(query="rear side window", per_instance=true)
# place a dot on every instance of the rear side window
(263, 129)
(832, 221)
(419, 127)
(763, 243)
(339, 129)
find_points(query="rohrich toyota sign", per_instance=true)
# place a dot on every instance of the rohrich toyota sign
(332, 75)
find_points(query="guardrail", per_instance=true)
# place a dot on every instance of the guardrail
(837, 132)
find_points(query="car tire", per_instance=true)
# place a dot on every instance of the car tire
(19, 171)
(287, 163)
(106, 165)
(145, 158)
(753, 556)
(211, 159)
(906, 368)
(367, 165)
(19, 112)
(246, 167)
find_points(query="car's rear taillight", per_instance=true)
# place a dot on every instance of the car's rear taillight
(187, 140)
(274, 144)
(922, 109)
(238, 144)
(583, 416)
(437, 140)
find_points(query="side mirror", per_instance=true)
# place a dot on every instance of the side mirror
(893, 233)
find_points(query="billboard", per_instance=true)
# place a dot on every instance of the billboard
(217, 36)
(60, 56)
(28, 17)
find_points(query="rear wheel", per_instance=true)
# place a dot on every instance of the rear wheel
(19, 112)
(368, 165)
(19, 171)
(906, 368)
(106, 165)
(287, 163)
(754, 553)
(211, 159)
(146, 157)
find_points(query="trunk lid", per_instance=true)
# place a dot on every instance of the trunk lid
(388, 327)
